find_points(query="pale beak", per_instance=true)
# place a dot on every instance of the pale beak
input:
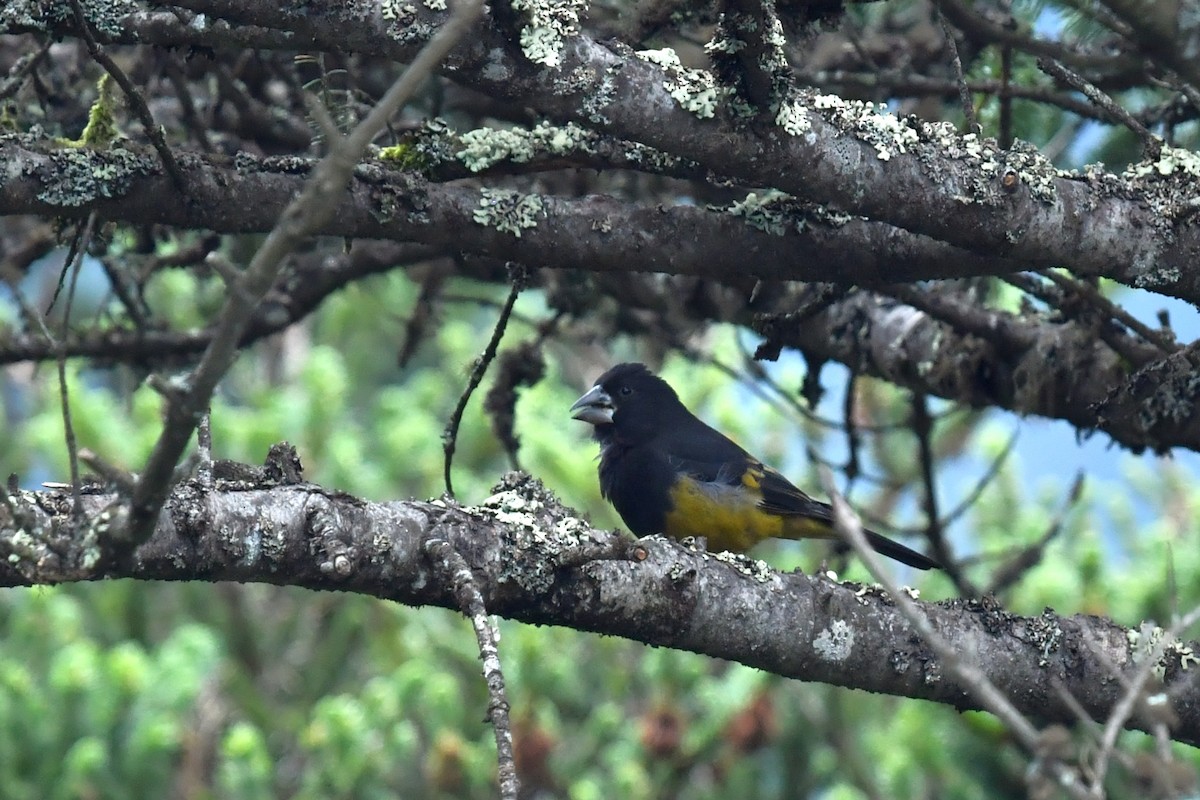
(595, 407)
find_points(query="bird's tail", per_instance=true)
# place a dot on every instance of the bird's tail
(905, 555)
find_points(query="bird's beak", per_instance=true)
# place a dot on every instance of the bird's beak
(595, 407)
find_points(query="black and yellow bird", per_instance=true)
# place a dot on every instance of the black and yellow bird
(665, 471)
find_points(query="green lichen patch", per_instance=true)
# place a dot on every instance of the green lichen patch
(76, 177)
(792, 116)
(600, 96)
(403, 22)
(1024, 161)
(765, 212)
(107, 17)
(1176, 656)
(403, 156)
(740, 36)
(485, 147)
(777, 213)
(836, 642)
(540, 526)
(1170, 183)
(508, 211)
(695, 90)
(1170, 161)
(888, 134)
(550, 23)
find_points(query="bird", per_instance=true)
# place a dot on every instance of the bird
(666, 471)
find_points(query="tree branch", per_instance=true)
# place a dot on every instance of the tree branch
(523, 549)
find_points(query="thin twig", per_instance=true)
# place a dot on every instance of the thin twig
(1005, 97)
(133, 97)
(1121, 343)
(1012, 570)
(922, 428)
(204, 468)
(450, 433)
(1134, 686)
(964, 94)
(74, 264)
(853, 436)
(120, 287)
(307, 213)
(470, 601)
(982, 483)
(1055, 69)
(121, 479)
(972, 678)
(1159, 339)
(21, 69)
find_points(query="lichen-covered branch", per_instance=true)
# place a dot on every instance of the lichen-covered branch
(987, 357)
(770, 237)
(1136, 228)
(535, 561)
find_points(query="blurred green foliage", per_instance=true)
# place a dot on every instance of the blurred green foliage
(129, 690)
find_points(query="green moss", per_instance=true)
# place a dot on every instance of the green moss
(404, 156)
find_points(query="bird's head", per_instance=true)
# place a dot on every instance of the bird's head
(628, 401)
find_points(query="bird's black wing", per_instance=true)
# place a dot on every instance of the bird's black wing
(703, 453)
(781, 496)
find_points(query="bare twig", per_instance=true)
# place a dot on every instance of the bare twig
(1135, 687)
(992, 326)
(450, 433)
(121, 479)
(1012, 570)
(1159, 339)
(922, 428)
(470, 601)
(971, 676)
(73, 264)
(21, 69)
(964, 94)
(204, 470)
(1005, 96)
(853, 436)
(133, 97)
(1150, 144)
(982, 483)
(305, 214)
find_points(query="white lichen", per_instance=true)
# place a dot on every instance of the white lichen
(1170, 161)
(602, 96)
(485, 147)
(508, 211)
(762, 212)
(754, 568)
(551, 22)
(1143, 642)
(695, 90)
(397, 11)
(836, 642)
(792, 116)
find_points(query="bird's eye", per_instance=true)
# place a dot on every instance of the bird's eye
(626, 391)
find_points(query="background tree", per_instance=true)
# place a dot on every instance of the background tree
(313, 217)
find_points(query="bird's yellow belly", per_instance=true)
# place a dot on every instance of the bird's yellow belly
(730, 518)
